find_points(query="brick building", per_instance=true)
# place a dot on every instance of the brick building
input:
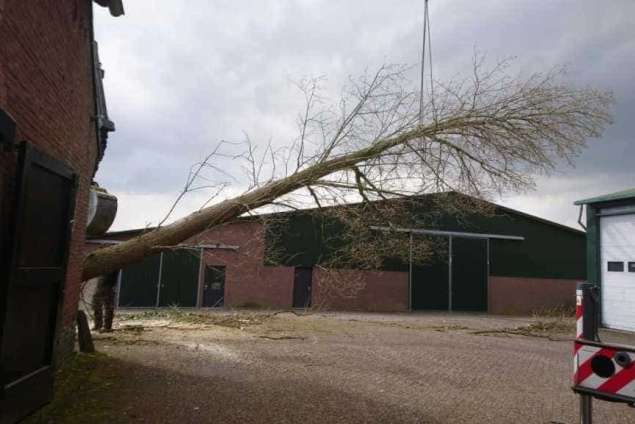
(502, 262)
(53, 130)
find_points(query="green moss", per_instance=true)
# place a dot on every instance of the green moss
(82, 392)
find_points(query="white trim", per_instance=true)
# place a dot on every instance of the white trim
(218, 246)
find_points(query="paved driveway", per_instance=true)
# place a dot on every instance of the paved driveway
(346, 368)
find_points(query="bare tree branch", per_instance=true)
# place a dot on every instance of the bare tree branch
(482, 135)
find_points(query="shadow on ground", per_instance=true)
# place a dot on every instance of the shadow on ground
(101, 389)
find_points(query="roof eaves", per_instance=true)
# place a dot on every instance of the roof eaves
(138, 231)
(619, 195)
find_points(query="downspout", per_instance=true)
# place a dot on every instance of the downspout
(580, 218)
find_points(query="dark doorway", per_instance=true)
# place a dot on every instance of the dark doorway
(139, 283)
(302, 287)
(431, 282)
(469, 274)
(179, 277)
(430, 288)
(34, 271)
(214, 286)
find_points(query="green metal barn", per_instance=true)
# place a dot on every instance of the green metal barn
(610, 222)
(504, 261)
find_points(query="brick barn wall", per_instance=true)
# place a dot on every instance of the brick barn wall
(352, 290)
(247, 280)
(250, 283)
(46, 85)
(516, 295)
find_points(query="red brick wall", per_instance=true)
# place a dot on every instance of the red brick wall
(247, 280)
(513, 295)
(351, 290)
(46, 85)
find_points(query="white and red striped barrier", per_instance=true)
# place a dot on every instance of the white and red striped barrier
(579, 314)
(604, 371)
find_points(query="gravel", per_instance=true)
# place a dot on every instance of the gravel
(265, 367)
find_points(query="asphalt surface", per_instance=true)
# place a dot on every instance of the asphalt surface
(345, 368)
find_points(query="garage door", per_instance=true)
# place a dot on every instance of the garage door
(617, 238)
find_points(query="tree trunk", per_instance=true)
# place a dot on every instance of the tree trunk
(117, 256)
(83, 334)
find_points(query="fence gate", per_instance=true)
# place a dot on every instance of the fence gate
(34, 269)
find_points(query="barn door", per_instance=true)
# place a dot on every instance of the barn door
(35, 257)
(469, 274)
(430, 288)
(302, 287)
(179, 278)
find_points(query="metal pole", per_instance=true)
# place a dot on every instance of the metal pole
(199, 286)
(159, 279)
(488, 269)
(586, 409)
(589, 332)
(410, 275)
(118, 289)
(450, 274)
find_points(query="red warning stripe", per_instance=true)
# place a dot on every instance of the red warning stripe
(618, 381)
(577, 346)
(584, 369)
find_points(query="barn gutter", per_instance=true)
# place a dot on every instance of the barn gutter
(447, 233)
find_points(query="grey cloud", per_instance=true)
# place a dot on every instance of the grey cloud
(183, 75)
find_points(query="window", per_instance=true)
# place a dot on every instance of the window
(631, 267)
(616, 266)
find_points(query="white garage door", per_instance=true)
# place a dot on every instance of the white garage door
(617, 238)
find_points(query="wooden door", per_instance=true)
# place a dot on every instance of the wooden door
(31, 292)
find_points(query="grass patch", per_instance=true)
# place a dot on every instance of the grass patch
(81, 392)
(561, 312)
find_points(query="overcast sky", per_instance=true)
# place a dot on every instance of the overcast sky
(182, 75)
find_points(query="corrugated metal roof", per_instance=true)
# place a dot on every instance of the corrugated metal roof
(618, 195)
(138, 231)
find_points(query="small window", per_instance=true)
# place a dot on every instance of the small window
(631, 267)
(616, 266)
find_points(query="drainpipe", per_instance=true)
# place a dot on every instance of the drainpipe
(580, 218)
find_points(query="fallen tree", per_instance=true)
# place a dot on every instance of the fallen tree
(483, 134)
